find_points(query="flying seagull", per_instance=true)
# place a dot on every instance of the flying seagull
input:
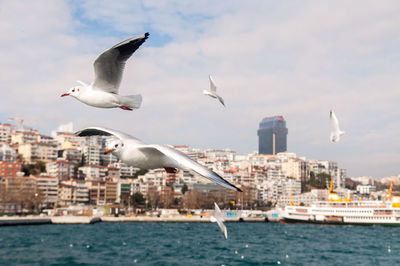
(213, 91)
(134, 152)
(336, 132)
(220, 221)
(108, 70)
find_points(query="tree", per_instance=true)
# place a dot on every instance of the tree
(34, 169)
(140, 172)
(184, 189)
(137, 199)
(153, 198)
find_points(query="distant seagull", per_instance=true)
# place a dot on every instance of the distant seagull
(108, 70)
(220, 221)
(213, 91)
(134, 152)
(336, 132)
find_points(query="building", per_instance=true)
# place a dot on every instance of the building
(366, 189)
(97, 191)
(272, 135)
(62, 169)
(38, 151)
(111, 192)
(5, 132)
(48, 186)
(19, 188)
(92, 172)
(9, 169)
(73, 192)
(91, 155)
(25, 136)
(7, 153)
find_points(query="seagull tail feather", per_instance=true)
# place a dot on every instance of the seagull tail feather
(132, 101)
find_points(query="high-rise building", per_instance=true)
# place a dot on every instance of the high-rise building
(272, 135)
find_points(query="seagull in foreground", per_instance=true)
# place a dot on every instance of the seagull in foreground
(336, 132)
(220, 221)
(108, 70)
(134, 152)
(213, 91)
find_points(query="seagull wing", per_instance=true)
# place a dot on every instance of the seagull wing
(220, 220)
(334, 122)
(109, 66)
(101, 131)
(221, 100)
(184, 161)
(213, 87)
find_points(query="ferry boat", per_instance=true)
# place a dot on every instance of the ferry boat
(338, 211)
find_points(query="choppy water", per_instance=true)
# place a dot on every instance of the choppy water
(199, 244)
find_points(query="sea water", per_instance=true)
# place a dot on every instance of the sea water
(199, 244)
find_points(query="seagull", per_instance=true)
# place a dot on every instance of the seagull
(213, 91)
(220, 221)
(336, 132)
(108, 70)
(134, 152)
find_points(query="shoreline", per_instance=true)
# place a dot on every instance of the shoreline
(37, 220)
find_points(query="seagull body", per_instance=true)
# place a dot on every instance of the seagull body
(213, 91)
(336, 132)
(108, 68)
(134, 152)
(219, 220)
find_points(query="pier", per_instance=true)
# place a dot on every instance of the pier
(9, 221)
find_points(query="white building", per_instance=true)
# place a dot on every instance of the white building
(6, 131)
(366, 189)
(48, 186)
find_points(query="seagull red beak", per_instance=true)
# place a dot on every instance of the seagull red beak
(64, 94)
(107, 151)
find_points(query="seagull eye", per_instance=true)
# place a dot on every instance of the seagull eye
(73, 90)
(116, 145)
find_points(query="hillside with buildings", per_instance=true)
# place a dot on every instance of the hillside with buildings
(41, 172)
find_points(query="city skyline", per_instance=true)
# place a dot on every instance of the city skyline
(279, 61)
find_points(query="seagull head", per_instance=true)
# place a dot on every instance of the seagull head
(74, 91)
(114, 146)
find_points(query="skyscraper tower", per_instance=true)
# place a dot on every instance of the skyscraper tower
(272, 135)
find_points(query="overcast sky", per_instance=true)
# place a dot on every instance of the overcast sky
(298, 59)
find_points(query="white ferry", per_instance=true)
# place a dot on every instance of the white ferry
(338, 211)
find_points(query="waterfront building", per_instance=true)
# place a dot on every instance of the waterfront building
(97, 192)
(18, 187)
(111, 192)
(48, 186)
(272, 135)
(73, 192)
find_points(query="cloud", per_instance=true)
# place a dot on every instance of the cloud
(298, 59)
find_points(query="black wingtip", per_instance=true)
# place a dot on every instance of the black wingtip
(146, 35)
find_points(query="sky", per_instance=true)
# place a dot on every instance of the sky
(298, 59)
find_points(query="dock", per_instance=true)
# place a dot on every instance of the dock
(8, 221)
